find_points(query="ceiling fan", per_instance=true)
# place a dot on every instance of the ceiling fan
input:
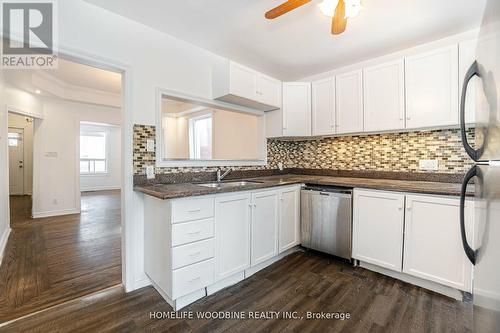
(338, 10)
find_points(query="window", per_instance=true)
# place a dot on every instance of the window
(14, 139)
(200, 138)
(93, 152)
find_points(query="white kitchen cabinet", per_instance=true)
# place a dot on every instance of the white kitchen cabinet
(384, 94)
(431, 81)
(349, 102)
(268, 90)
(323, 107)
(289, 222)
(232, 233)
(296, 109)
(265, 219)
(237, 84)
(378, 228)
(433, 246)
(466, 56)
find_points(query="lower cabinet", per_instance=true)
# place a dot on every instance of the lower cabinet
(289, 219)
(428, 227)
(433, 245)
(378, 228)
(198, 245)
(232, 234)
(265, 216)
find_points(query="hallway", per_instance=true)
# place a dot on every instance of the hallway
(52, 260)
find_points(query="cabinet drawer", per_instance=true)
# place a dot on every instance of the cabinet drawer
(192, 278)
(192, 209)
(192, 253)
(193, 231)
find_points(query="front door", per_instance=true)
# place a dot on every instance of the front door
(16, 161)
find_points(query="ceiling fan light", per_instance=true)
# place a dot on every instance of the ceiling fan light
(327, 7)
(352, 8)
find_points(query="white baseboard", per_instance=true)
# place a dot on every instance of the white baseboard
(436, 287)
(3, 243)
(37, 215)
(100, 188)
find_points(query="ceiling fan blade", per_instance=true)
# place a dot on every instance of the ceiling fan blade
(339, 22)
(285, 8)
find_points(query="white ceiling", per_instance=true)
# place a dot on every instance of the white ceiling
(70, 81)
(299, 43)
(80, 75)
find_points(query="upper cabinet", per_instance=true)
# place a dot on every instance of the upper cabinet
(349, 102)
(384, 94)
(323, 107)
(432, 88)
(296, 109)
(237, 84)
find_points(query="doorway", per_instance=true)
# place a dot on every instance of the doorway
(66, 242)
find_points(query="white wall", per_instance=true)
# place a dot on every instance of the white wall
(56, 177)
(18, 121)
(112, 178)
(21, 102)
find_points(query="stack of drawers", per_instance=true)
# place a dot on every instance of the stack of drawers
(193, 245)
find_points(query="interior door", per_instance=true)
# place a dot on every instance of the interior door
(16, 161)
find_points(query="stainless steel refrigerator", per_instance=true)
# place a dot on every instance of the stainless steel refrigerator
(483, 247)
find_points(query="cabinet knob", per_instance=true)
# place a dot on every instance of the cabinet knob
(408, 117)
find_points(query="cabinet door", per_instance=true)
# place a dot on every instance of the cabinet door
(323, 107)
(433, 246)
(265, 214)
(243, 81)
(297, 109)
(232, 234)
(268, 91)
(384, 95)
(289, 229)
(378, 228)
(466, 56)
(432, 88)
(349, 102)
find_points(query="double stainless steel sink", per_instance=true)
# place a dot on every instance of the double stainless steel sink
(227, 184)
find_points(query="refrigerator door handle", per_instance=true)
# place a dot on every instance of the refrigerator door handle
(471, 72)
(471, 254)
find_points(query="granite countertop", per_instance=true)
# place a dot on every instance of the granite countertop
(171, 191)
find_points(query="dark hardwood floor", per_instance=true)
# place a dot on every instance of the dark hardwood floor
(49, 261)
(300, 282)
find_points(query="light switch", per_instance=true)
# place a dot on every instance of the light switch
(150, 145)
(51, 154)
(430, 165)
(150, 171)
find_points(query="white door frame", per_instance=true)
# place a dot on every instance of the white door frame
(129, 278)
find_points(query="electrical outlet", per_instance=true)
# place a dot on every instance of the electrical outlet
(430, 165)
(150, 171)
(150, 145)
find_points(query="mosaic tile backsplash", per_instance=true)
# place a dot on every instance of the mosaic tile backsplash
(396, 152)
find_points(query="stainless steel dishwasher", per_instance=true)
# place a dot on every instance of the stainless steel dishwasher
(326, 219)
